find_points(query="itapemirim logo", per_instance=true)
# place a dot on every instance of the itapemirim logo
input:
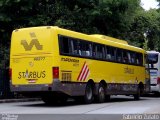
(34, 42)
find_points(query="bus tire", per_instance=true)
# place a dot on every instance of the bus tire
(137, 96)
(88, 97)
(101, 93)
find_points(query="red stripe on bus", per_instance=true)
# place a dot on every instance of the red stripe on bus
(86, 74)
(81, 71)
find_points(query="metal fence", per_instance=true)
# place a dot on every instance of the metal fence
(5, 85)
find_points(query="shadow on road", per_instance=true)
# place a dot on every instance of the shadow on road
(72, 102)
(153, 95)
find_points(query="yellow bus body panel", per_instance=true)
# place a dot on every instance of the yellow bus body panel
(98, 70)
(31, 56)
(41, 61)
(101, 70)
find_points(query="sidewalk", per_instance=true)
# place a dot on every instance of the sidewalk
(19, 100)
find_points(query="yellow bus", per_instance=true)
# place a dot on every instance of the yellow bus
(56, 63)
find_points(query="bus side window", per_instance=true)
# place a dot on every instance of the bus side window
(79, 52)
(64, 45)
(119, 55)
(85, 49)
(94, 49)
(103, 52)
(125, 56)
(90, 49)
(111, 53)
(99, 51)
(139, 59)
(114, 54)
(129, 57)
(74, 46)
(133, 58)
(108, 53)
(71, 46)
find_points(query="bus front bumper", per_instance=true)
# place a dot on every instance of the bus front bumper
(155, 88)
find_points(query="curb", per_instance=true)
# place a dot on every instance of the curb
(19, 100)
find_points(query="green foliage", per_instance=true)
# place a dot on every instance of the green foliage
(145, 44)
(124, 19)
(146, 22)
(116, 16)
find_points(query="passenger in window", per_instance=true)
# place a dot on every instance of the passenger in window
(132, 60)
(83, 53)
(75, 52)
(94, 54)
(90, 49)
(129, 58)
(109, 56)
(113, 58)
(79, 50)
(119, 59)
(137, 61)
(125, 59)
(88, 53)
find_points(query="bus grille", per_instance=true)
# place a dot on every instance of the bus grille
(66, 77)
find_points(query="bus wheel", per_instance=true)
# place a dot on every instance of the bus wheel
(101, 93)
(88, 97)
(137, 96)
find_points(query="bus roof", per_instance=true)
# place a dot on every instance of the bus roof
(110, 38)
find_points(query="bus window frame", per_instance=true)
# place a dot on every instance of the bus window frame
(94, 52)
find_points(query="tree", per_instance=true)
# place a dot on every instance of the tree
(146, 23)
(122, 19)
(16, 14)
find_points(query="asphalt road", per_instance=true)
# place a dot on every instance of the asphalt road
(119, 108)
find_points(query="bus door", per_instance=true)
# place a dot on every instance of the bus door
(147, 77)
(153, 67)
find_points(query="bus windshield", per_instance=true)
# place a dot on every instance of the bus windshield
(152, 58)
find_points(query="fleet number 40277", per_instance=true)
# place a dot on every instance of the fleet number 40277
(39, 58)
